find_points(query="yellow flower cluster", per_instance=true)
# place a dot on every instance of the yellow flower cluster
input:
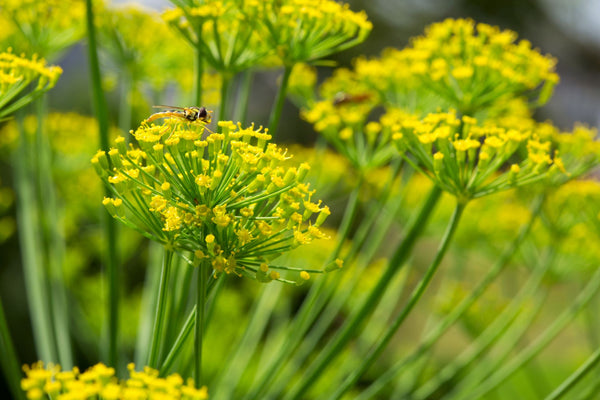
(227, 38)
(144, 46)
(226, 197)
(344, 124)
(99, 382)
(43, 27)
(466, 159)
(235, 35)
(306, 30)
(16, 75)
(461, 65)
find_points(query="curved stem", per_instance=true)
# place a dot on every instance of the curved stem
(159, 316)
(199, 323)
(413, 300)
(279, 101)
(352, 326)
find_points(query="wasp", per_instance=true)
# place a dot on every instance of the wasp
(342, 98)
(188, 113)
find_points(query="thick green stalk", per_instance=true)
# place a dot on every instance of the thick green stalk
(149, 302)
(109, 224)
(125, 111)
(279, 100)
(199, 323)
(352, 326)
(437, 331)
(241, 109)
(199, 66)
(508, 369)
(53, 239)
(9, 361)
(159, 316)
(225, 87)
(413, 300)
(29, 240)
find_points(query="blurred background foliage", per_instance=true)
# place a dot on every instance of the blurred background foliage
(134, 80)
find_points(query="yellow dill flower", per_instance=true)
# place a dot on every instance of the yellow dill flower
(144, 47)
(306, 30)
(100, 380)
(467, 160)
(16, 76)
(230, 196)
(302, 83)
(43, 27)
(223, 31)
(459, 64)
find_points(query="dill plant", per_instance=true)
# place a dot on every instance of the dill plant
(445, 123)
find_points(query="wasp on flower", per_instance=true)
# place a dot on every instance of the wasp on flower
(188, 113)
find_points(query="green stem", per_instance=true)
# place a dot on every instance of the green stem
(199, 324)
(109, 225)
(225, 86)
(199, 65)
(159, 316)
(175, 351)
(352, 326)
(279, 100)
(9, 361)
(29, 239)
(125, 111)
(241, 111)
(149, 302)
(508, 369)
(413, 300)
(53, 239)
(436, 332)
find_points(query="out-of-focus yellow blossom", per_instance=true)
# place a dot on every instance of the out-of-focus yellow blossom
(473, 66)
(570, 226)
(302, 84)
(461, 65)
(470, 161)
(227, 38)
(367, 145)
(226, 197)
(143, 46)
(22, 80)
(43, 27)
(100, 382)
(306, 30)
(234, 36)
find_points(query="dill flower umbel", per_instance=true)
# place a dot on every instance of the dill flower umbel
(43, 27)
(227, 198)
(221, 31)
(16, 75)
(470, 160)
(306, 30)
(100, 382)
(462, 65)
